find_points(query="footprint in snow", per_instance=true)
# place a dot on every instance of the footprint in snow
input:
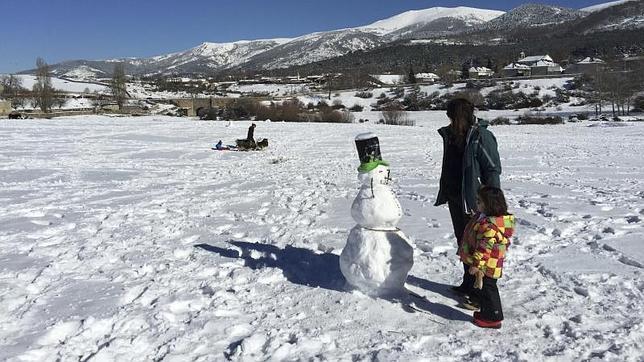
(41, 222)
(190, 239)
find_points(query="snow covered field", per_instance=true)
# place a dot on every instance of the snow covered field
(129, 239)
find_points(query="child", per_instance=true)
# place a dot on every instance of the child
(486, 239)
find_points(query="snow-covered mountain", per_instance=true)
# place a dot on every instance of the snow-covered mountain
(280, 53)
(434, 22)
(315, 47)
(416, 24)
(215, 55)
(619, 15)
(532, 15)
(603, 6)
(205, 57)
(324, 45)
(83, 72)
(420, 18)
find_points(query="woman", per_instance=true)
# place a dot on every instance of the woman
(470, 159)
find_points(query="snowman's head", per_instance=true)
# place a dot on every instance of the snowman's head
(379, 176)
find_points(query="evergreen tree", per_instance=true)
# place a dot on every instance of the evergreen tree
(411, 76)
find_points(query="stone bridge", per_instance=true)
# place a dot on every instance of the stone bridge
(192, 105)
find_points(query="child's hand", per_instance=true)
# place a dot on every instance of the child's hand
(473, 270)
(478, 283)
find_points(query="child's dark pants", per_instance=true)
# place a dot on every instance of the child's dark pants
(490, 301)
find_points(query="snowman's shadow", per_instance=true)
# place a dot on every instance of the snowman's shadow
(299, 265)
(306, 267)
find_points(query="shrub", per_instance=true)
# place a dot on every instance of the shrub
(395, 115)
(332, 116)
(356, 108)
(500, 121)
(480, 84)
(499, 99)
(638, 102)
(398, 92)
(337, 104)
(471, 95)
(288, 111)
(562, 95)
(383, 101)
(364, 94)
(528, 119)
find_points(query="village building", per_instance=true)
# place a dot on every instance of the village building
(427, 77)
(480, 72)
(587, 65)
(516, 70)
(540, 64)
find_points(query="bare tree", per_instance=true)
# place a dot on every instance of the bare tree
(447, 73)
(11, 86)
(43, 90)
(620, 86)
(119, 84)
(11, 89)
(394, 114)
(60, 101)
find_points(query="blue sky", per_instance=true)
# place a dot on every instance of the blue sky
(59, 30)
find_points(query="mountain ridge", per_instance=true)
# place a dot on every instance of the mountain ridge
(266, 54)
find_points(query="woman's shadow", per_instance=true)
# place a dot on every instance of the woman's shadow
(306, 267)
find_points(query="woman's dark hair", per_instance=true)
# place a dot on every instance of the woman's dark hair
(494, 201)
(461, 114)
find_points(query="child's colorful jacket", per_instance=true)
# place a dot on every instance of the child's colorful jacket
(485, 241)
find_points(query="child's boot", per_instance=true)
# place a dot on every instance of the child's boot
(483, 323)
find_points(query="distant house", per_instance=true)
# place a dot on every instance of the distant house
(586, 65)
(540, 64)
(427, 77)
(5, 107)
(516, 70)
(455, 73)
(389, 79)
(480, 72)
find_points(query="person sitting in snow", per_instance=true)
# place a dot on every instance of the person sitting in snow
(220, 146)
(485, 241)
(251, 132)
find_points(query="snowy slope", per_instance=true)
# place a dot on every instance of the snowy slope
(280, 53)
(624, 15)
(129, 239)
(28, 82)
(416, 24)
(84, 73)
(217, 55)
(315, 47)
(603, 6)
(532, 15)
(420, 17)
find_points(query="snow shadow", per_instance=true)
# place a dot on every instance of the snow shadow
(438, 288)
(438, 309)
(299, 265)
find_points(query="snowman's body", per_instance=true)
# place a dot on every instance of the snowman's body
(376, 205)
(377, 256)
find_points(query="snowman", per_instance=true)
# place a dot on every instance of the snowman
(377, 256)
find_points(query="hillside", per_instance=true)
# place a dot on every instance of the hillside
(523, 25)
